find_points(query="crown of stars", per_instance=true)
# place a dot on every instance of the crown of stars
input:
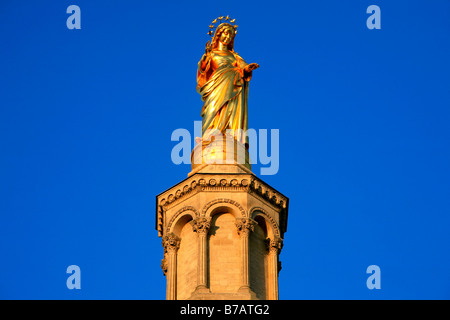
(222, 20)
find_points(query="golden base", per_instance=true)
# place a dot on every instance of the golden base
(224, 150)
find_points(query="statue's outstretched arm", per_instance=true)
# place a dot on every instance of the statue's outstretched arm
(248, 70)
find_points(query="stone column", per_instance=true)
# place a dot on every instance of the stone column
(171, 243)
(274, 247)
(202, 226)
(244, 227)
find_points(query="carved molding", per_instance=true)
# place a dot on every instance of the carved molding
(201, 225)
(245, 226)
(227, 201)
(223, 182)
(164, 265)
(265, 214)
(274, 245)
(178, 213)
(268, 193)
(231, 183)
(170, 243)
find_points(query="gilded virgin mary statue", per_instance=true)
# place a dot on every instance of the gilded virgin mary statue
(222, 81)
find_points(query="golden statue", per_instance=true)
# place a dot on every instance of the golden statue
(222, 81)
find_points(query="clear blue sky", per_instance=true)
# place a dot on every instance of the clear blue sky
(86, 118)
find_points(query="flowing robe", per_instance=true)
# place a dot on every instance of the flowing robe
(223, 87)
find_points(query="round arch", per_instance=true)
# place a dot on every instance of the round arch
(271, 225)
(180, 218)
(223, 205)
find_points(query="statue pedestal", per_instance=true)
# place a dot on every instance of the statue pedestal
(225, 151)
(222, 230)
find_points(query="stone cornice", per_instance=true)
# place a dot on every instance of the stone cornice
(227, 182)
(216, 182)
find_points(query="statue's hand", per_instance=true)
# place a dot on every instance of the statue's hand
(208, 48)
(251, 67)
(207, 52)
(248, 70)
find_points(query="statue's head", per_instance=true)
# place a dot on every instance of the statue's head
(225, 34)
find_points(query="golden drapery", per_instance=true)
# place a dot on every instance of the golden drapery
(224, 91)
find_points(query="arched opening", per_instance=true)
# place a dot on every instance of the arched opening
(224, 249)
(258, 258)
(187, 257)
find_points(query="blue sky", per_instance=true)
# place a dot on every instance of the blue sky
(86, 118)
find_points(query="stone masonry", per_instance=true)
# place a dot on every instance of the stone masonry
(222, 231)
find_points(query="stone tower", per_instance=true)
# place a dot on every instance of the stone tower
(222, 229)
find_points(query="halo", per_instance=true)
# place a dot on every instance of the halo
(227, 19)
